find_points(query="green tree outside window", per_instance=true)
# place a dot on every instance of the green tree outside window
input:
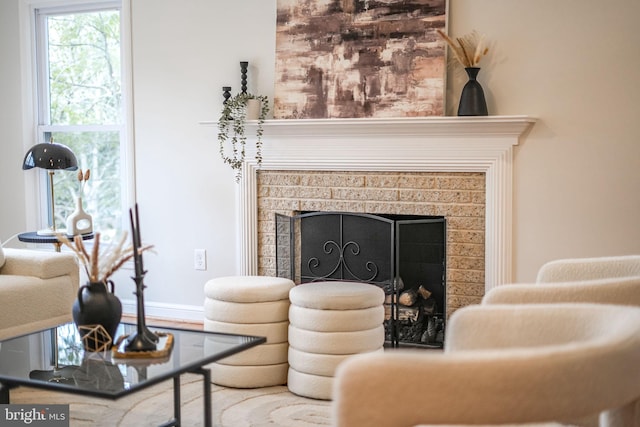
(85, 112)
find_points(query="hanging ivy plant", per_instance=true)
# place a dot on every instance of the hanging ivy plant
(231, 128)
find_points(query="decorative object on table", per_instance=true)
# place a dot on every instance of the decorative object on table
(95, 338)
(143, 340)
(468, 50)
(359, 59)
(96, 304)
(231, 126)
(50, 156)
(96, 308)
(164, 346)
(80, 222)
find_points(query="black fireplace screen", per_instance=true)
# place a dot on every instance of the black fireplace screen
(402, 254)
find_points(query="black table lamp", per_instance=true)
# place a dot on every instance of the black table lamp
(50, 156)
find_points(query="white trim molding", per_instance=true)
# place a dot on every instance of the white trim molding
(165, 311)
(423, 144)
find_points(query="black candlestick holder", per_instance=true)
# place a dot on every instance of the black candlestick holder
(226, 93)
(143, 339)
(244, 65)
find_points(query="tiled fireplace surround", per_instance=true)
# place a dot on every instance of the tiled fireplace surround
(456, 167)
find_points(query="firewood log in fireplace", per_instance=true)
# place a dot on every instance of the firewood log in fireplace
(409, 314)
(424, 293)
(408, 298)
(420, 311)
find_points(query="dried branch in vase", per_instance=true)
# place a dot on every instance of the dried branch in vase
(468, 49)
(83, 177)
(100, 265)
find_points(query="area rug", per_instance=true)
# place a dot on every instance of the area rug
(260, 407)
(268, 406)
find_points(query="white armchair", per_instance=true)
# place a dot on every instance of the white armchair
(605, 280)
(37, 289)
(620, 290)
(501, 364)
(569, 269)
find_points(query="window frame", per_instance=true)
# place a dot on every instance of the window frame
(35, 87)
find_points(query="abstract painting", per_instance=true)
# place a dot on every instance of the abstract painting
(359, 58)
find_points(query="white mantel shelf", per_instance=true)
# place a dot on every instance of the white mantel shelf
(428, 144)
(414, 126)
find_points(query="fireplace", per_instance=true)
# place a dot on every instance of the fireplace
(478, 148)
(404, 255)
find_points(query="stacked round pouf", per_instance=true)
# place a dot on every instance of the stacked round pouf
(250, 305)
(328, 322)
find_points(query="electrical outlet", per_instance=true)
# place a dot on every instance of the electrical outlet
(200, 259)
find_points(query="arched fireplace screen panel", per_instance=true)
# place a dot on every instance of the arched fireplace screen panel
(402, 254)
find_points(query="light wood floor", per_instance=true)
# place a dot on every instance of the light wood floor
(157, 321)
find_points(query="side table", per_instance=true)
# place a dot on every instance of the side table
(34, 237)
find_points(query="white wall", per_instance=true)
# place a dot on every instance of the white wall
(573, 64)
(184, 52)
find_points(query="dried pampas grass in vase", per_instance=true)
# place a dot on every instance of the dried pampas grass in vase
(469, 49)
(101, 263)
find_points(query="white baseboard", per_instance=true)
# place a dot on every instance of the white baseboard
(169, 311)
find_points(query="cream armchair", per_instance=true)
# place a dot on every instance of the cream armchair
(501, 364)
(37, 290)
(569, 269)
(621, 290)
(606, 280)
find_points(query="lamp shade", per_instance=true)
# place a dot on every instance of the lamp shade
(50, 155)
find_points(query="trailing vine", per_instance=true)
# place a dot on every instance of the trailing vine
(231, 128)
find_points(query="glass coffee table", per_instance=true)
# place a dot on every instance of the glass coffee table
(54, 359)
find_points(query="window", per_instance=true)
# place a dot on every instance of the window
(80, 104)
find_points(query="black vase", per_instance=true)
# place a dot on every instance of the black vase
(96, 305)
(472, 102)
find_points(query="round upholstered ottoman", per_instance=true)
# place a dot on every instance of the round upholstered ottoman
(329, 322)
(250, 305)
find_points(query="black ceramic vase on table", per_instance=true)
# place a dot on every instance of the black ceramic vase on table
(472, 101)
(97, 305)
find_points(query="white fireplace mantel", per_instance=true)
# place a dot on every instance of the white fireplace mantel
(421, 144)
